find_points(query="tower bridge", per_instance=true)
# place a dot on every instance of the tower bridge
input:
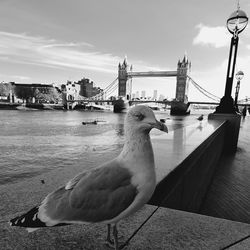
(179, 106)
(122, 87)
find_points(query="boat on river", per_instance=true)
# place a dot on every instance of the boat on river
(89, 122)
(94, 122)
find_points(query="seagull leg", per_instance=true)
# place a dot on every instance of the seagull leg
(112, 243)
(109, 241)
(115, 235)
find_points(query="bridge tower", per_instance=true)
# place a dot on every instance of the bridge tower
(123, 84)
(182, 81)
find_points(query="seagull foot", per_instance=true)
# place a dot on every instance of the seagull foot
(111, 245)
(114, 243)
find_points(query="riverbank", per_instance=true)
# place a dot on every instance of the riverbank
(34, 106)
(6, 105)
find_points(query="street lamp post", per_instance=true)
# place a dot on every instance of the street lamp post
(239, 76)
(236, 23)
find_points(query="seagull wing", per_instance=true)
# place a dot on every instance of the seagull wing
(71, 184)
(94, 196)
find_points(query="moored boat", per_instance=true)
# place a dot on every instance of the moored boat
(89, 122)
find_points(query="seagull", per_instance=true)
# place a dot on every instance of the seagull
(200, 118)
(107, 193)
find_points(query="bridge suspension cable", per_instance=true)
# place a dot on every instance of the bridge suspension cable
(110, 91)
(110, 85)
(107, 90)
(203, 91)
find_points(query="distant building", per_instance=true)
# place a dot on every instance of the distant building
(161, 97)
(70, 92)
(27, 90)
(143, 94)
(32, 85)
(155, 95)
(87, 88)
(73, 90)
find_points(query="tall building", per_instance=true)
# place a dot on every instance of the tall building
(143, 94)
(155, 95)
(87, 88)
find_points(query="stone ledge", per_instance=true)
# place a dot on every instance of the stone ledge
(177, 230)
(242, 245)
(166, 229)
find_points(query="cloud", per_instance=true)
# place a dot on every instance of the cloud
(21, 77)
(37, 50)
(15, 77)
(214, 36)
(67, 45)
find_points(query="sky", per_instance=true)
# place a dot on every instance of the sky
(52, 41)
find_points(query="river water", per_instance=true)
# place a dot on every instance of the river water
(33, 142)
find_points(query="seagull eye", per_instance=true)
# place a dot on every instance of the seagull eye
(140, 116)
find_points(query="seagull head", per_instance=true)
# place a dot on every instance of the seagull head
(142, 119)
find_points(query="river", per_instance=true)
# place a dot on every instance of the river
(33, 142)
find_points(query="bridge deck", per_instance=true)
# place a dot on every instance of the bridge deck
(152, 74)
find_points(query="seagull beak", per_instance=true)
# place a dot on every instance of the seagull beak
(161, 126)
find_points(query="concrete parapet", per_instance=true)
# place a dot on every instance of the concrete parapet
(193, 161)
(232, 131)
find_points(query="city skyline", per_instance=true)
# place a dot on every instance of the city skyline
(40, 42)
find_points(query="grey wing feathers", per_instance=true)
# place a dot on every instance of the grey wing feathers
(71, 184)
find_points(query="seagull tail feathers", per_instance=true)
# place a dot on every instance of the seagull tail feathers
(30, 220)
